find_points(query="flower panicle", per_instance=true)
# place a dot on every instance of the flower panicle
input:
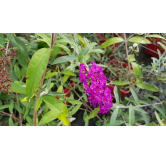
(99, 95)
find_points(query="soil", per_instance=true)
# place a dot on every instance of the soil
(120, 71)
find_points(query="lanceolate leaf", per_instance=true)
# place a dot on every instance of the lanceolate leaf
(38, 103)
(64, 59)
(159, 120)
(22, 52)
(35, 70)
(75, 109)
(114, 116)
(134, 95)
(45, 37)
(7, 105)
(68, 38)
(48, 117)
(136, 68)
(17, 71)
(111, 41)
(139, 39)
(94, 113)
(68, 73)
(50, 74)
(159, 109)
(116, 94)
(74, 102)
(162, 45)
(140, 110)
(146, 86)
(64, 47)
(18, 87)
(155, 36)
(120, 83)
(58, 108)
(131, 115)
(145, 119)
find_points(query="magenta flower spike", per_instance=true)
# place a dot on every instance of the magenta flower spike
(99, 95)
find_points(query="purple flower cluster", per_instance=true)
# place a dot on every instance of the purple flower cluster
(95, 86)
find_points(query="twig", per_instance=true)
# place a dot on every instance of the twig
(84, 102)
(127, 53)
(19, 106)
(84, 109)
(23, 76)
(9, 115)
(142, 105)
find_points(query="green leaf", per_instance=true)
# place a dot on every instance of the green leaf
(120, 83)
(22, 52)
(55, 93)
(11, 121)
(147, 87)
(80, 57)
(75, 79)
(75, 109)
(140, 110)
(136, 68)
(153, 124)
(22, 71)
(159, 109)
(116, 94)
(162, 45)
(26, 113)
(35, 70)
(114, 116)
(18, 108)
(64, 117)
(134, 95)
(85, 97)
(74, 102)
(68, 73)
(85, 115)
(46, 38)
(48, 117)
(131, 115)
(94, 113)
(1, 39)
(64, 59)
(38, 103)
(159, 120)
(10, 106)
(155, 36)
(68, 38)
(64, 47)
(116, 123)
(65, 78)
(111, 41)
(50, 74)
(18, 87)
(131, 58)
(139, 39)
(60, 89)
(107, 35)
(17, 71)
(97, 51)
(29, 120)
(56, 50)
(58, 108)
